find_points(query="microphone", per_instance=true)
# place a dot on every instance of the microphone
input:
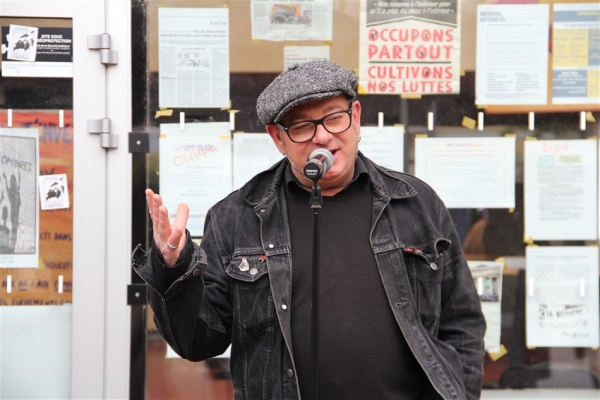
(318, 163)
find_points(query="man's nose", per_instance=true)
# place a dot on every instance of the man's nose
(321, 135)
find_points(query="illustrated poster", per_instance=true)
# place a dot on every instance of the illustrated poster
(19, 224)
(38, 285)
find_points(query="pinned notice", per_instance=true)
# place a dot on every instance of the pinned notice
(54, 192)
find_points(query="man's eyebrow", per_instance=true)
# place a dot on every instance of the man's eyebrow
(302, 116)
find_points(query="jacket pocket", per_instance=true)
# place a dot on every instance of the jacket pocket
(426, 269)
(252, 298)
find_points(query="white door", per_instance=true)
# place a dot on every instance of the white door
(64, 322)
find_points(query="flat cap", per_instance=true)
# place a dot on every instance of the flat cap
(301, 83)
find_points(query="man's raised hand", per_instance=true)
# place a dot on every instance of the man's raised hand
(169, 239)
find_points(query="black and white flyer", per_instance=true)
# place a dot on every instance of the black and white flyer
(19, 219)
(43, 52)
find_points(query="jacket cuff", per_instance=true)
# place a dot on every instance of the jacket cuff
(150, 266)
(166, 274)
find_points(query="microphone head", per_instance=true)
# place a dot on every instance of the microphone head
(318, 163)
(326, 155)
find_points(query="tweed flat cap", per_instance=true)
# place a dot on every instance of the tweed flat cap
(301, 83)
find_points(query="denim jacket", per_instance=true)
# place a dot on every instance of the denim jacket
(224, 292)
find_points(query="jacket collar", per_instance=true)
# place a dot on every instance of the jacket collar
(265, 185)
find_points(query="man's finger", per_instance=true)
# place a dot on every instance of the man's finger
(151, 210)
(164, 226)
(178, 228)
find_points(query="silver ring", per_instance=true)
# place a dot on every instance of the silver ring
(171, 247)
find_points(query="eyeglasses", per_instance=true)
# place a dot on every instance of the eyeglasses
(303, 131)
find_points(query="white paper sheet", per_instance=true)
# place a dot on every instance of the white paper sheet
(561, 185)
(300, 54)
(54, 192)
(512, 48)
(488, 281)
(22, 43)
(292, 20)
(19, 222)
(562, 296)
(474, 172)
(194, 57)
(252, 153)
(410, 47)
(195, 168)
(383, 145)
(575, 53)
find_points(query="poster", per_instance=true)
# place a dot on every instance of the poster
(576, 54)
(385, 145)
(293, 55)
(488, 281)
(53, 56)
(194, 57)
(512, 48)
(561, 185)
(252, 153)
(410, 47)
(39, 284)
(562, 296)
(477, 172)
(291, 20)
(195, 167)
(19, 225)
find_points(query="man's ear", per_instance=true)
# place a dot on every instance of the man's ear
(275, 133)
(356, 109)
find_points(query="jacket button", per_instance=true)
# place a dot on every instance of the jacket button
(196, 272)
(289, 373)
(433, 266)
(271, 245)
(262, 210)
(284, 306)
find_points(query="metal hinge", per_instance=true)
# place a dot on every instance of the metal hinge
(102, 43)
(102, 127)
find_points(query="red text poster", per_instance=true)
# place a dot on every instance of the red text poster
(410, 47)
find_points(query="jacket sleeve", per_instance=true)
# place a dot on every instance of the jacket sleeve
(191, 303)
(462, 324)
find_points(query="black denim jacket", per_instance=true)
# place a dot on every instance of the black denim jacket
(224, 292)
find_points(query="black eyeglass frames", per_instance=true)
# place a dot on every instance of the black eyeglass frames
(303, 131)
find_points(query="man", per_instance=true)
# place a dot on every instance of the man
(399, 314)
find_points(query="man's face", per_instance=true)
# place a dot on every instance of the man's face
(343, 145)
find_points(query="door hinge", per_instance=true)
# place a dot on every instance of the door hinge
(102, 43)
(102, 127)
(136, 294)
